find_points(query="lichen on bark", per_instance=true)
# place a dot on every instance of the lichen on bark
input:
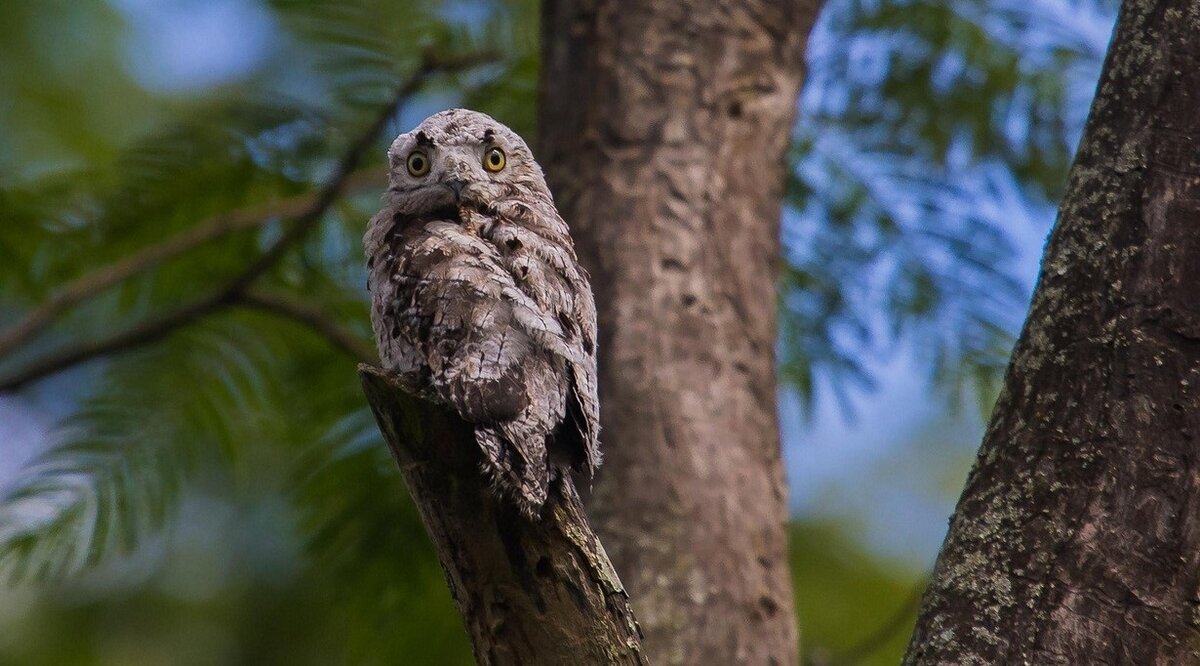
(1077, 538)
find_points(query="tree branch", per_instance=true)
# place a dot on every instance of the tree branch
(1077, 537)
(156, 328)
(143, 333)
(97, 281)
(530, 592)
(291, 308)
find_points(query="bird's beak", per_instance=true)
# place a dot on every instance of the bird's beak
(456, 186)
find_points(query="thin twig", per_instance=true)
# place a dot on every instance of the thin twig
(156, 328)
(97, 281)
(291, 308)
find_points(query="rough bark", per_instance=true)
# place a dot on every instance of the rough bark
(530, 592)
(664, 127)
(1077, 539)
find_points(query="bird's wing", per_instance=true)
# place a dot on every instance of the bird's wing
(584, 398)
(457, 312)
(558, 291)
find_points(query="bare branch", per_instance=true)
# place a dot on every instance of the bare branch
(291, 308)
(158, 327)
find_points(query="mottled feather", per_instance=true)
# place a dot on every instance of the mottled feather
(479, 302)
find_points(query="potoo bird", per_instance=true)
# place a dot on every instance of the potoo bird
(478, 301)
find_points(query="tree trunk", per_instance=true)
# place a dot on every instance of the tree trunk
(1077, 539)
(664, 127)
(530, 592)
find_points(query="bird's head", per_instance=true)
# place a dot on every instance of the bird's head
(459, 158)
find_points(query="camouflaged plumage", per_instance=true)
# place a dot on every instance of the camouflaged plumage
(478, 301)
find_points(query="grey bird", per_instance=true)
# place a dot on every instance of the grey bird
(478, 301)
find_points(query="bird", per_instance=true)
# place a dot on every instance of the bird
(479, 302)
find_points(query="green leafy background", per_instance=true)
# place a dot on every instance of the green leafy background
(221, 496)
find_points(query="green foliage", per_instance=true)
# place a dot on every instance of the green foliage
(927, 131)
(239, 410)
(60, 65)
(222, 495)
(852, 608)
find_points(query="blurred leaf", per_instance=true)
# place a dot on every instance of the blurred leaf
(927, 129)
(845, 597)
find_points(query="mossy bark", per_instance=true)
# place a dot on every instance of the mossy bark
(531, 592)
(1077, 538)
(664, 127)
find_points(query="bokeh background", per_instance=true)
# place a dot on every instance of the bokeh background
(220, 496)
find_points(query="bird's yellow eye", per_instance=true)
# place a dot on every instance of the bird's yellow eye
(418, 163)
(493, 160)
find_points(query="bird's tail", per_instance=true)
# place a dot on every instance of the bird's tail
(515, 465)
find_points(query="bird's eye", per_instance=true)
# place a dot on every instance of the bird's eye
(418, 163)
(493, 160)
